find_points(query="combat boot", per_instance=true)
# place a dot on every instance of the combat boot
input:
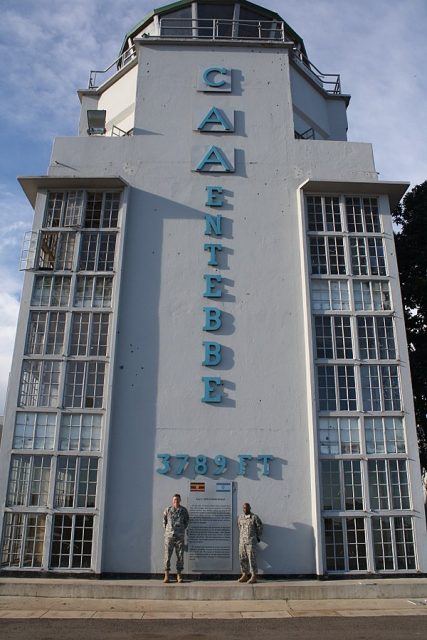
(166, 578)
(253, 579)
(179, 578)
(244, 577)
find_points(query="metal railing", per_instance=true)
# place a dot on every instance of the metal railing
(110, 71)
(330, 82)
(120, 133)
(222, 29)
(305, 135)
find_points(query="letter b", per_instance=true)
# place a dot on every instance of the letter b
(213, 320)
(212, 354)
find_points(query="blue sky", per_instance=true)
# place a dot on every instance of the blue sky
(48, 47)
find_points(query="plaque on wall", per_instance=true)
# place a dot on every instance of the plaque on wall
(210, 533)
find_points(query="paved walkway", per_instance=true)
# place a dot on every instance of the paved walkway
(134, 609)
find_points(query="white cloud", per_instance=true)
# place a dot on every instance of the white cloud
(9, 307)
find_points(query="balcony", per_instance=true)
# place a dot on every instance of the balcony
(214, 30)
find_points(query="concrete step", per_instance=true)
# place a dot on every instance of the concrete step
(218, 590)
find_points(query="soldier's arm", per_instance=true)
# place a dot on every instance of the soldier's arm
(186, 519)
(258, 525)
(165, 518)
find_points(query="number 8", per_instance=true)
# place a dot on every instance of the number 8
(200, 465)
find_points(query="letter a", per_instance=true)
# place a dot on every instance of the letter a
(214, 156)
(216, 116)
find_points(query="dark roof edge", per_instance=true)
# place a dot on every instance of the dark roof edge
(181, 3)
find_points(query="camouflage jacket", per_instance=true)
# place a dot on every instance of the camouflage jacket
(175, 521)
(250, 528)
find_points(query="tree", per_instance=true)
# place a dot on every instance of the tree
(411, 250)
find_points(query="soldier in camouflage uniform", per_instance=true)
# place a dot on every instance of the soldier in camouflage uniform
(175, 522)
(250, 532)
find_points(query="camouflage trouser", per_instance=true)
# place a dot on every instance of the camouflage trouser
(171, 543)
(247, 557)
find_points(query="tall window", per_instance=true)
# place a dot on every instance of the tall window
(327, 255)
(93, 209)
(97, 251)
(76, 480)
(80, 432)
(345, 544)
(329, 295)
(394, 545)
(384, 435)
(380, 388)
(64, 209)
(34, 430)
(28, 481)
(93, 291)
(333, 337)
(337, 388)
(46, 333)
(39, 383)
(388, 484)
(84, 384)
(102, 210)
(56, 250)
(376, 338)
(51, 291)
(339, 436)
(371, 295)
(89, 334)
(341, 485)
(323, 213)
(362, 215)
(367, 257)
(23, 536)
(72, 541)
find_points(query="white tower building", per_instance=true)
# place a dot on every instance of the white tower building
(211, 304)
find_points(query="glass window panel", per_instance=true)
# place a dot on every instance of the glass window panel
(80, 432)
(73, 211)
(326, 386)
(54, 205)
(28, 480)
(356, 544)
(76, 482)
(329, 295)
(352, 485)
(39, 383)
(334, 544)
(331, 489)
(23, 538)
(34, 430)
(383, 545)
(339, 436)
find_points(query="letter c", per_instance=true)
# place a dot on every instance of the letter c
(213, 83)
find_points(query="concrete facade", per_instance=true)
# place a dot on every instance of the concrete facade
(263, 282)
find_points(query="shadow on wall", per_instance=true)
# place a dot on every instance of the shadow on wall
(128, 525)
(286, 550)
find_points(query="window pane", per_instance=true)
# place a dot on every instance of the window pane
(331, 492)
(34, 431)
(334, 544)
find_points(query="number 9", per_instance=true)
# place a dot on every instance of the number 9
(221, 463)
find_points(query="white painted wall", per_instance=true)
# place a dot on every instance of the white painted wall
(156, 406)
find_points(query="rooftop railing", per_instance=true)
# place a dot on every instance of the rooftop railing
(331, 82)
(98, 77)
(222, 29)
